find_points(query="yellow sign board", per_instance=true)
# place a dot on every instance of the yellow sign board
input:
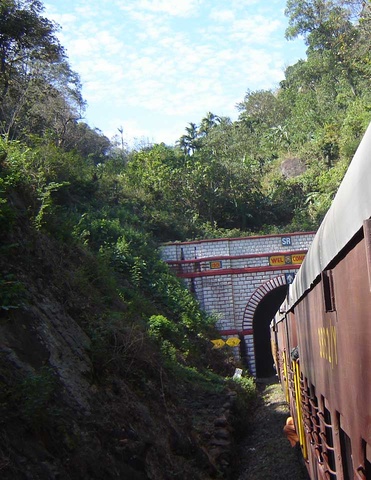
(280, 260)
(216, 264)
(277, 260)
(298, 258)
(219, 343)
(231, 342)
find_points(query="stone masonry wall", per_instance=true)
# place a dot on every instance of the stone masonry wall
(231, 276)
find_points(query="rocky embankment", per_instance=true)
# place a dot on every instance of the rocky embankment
(71, 409)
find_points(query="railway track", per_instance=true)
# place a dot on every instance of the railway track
(265, 453)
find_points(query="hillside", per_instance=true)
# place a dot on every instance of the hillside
(71, 408)
(80, 398)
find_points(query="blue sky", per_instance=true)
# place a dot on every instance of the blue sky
(153, 66)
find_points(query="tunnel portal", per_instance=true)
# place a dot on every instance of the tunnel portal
(264, 313)
(241, 282)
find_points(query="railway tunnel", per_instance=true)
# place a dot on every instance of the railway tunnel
(242, 282)
(263, 315)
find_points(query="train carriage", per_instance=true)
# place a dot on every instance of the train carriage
(321, 338)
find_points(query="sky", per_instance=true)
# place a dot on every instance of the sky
(151, 67)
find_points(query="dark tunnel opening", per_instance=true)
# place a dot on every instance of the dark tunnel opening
(264, 313)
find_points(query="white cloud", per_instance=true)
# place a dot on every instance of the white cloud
(178, 8)
(81, 47)
(222, 15)
(169, 61)
(243, 4)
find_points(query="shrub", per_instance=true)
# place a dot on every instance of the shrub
(36, 393)
(12, 292)
(161, 328)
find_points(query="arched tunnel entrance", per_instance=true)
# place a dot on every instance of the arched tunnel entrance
(263, 315)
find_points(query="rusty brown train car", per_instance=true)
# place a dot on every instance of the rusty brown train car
(321, 337)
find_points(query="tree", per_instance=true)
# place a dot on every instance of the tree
(89, 142)
(328, 27)
(316, 20)
(208, 122)
(37, 86)
(189, 142)
(24, 35)
(261, 106)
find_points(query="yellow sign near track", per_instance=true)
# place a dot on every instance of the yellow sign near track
(218, 343)
(231, 342)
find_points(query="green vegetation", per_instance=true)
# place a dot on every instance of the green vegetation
(35, 394)
(11, 292)
(106, 210)
(274, 169)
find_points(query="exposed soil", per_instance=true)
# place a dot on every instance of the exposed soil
(265, 453)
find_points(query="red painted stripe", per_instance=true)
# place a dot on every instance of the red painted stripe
(236, 239)
(234, 257)
(236, 332)
(236, 271)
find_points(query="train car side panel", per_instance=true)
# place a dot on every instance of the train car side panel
(352, 398)
(328, 313)
(334, 336)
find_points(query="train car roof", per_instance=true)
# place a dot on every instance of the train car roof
(350, 207)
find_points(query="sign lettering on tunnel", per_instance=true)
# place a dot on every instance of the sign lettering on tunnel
(286, 241)
(279, 260)
(216, 264)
